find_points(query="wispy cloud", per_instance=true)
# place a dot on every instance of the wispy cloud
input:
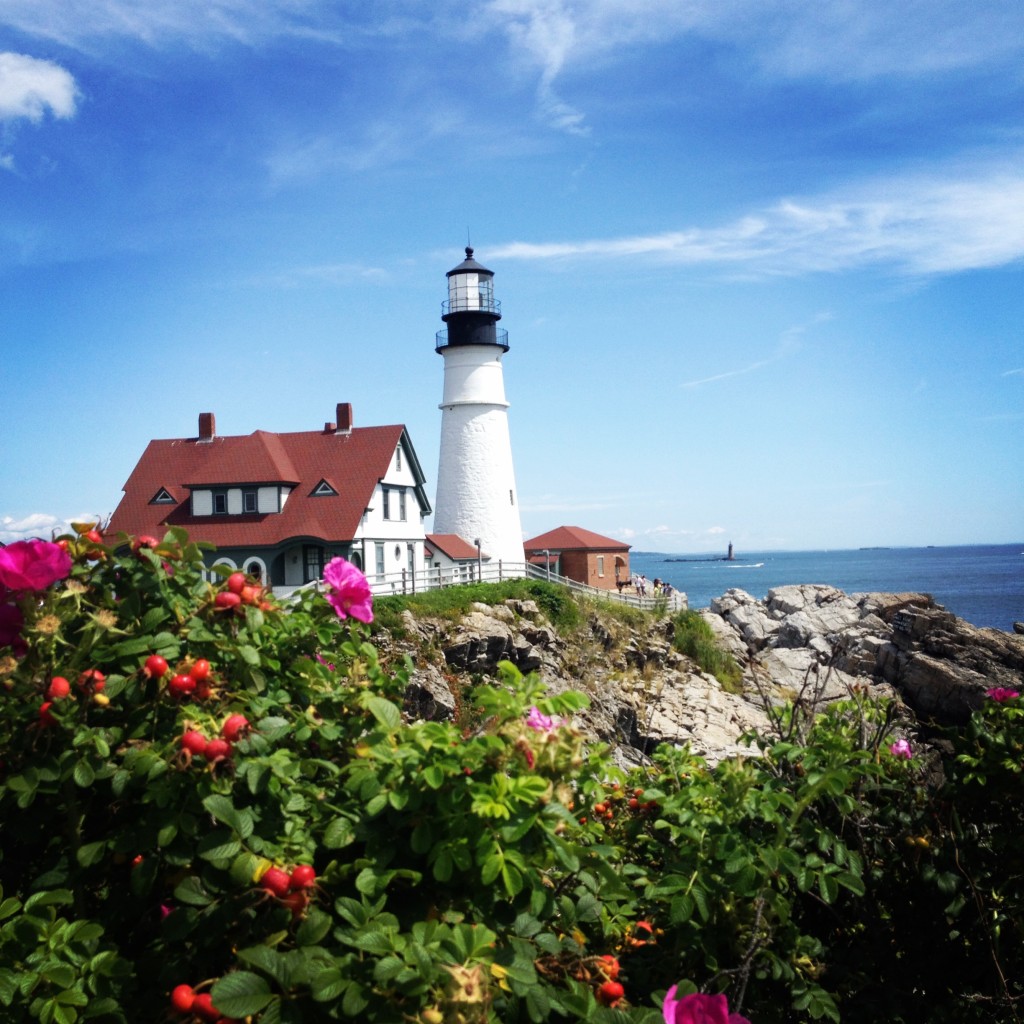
(29, 88)
(554, 40)
(38, 524)
(945, 222)
(790, 343)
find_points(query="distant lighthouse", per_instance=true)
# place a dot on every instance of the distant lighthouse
(476, 488)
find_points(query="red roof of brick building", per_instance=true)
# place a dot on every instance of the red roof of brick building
(572, 538)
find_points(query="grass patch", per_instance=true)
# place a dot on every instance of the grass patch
(695, 638)
(556, 602)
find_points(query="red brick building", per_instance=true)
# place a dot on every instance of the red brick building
(581, 555)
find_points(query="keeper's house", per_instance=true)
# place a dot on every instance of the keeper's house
(280, 506)
(581, 555)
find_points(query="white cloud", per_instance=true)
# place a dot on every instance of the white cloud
(29, 87)
(38, 524)
(947, 221)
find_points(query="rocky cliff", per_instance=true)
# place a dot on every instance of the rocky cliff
(802, 642)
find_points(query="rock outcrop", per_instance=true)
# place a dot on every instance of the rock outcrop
(800, 640)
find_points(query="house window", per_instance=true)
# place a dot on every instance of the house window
(600, 565)
(401, 504)
(411, 556)
(398, 457)
(254, 570)
(380, 559)
(385, 493)
(324, 490)
(162, 497)
(313, 557)
(220, 503)
(248, 501)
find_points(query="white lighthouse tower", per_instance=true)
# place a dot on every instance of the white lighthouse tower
(476, 487)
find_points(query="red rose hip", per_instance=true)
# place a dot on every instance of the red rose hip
(194, 742)
(58, 689)
(276, 881)
(609, 993)
(217, 750)
(183, 998)
(234, 727)
(303, 877)
(181, 686)
(155, 667)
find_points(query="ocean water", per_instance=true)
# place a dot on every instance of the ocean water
(983, 584)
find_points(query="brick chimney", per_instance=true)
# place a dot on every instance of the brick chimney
(344, 417)
(207, 426)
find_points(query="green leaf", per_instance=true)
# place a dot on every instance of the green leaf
(387, 969)
(91, 853)
(338, 834)
(374, 942)
(190, 890)
(328, 985)
(225, 812)
(249, 654)
(384, 711)
(315, 926)
(48, 898)
(828, 887)
(354, 1001)
(84, 774)
(219, 845)
(241, 993)
(269, 961)
(9, 906)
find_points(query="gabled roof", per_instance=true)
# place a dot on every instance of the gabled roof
(354, 461)
(572, 538)
(452, 545)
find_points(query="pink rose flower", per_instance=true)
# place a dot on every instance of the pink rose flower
(901, 748)
(33, 565)
(539, 721)
(698, 1008)
(1001, 693)
(350, 593)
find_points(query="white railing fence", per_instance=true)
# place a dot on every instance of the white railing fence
(433, 578)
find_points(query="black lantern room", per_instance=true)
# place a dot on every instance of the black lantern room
(470, 311)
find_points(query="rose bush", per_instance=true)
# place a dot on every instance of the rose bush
(218, 810)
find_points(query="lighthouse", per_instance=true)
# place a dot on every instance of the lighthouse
(476, 487)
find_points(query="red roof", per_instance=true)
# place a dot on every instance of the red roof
(452, 545)
(352, 463)
(572, 538)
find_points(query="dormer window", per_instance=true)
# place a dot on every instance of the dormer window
(323, 490)
(220, 503)
(162, 497)
(249, 501)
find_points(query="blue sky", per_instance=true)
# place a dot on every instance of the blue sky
(761, 263)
